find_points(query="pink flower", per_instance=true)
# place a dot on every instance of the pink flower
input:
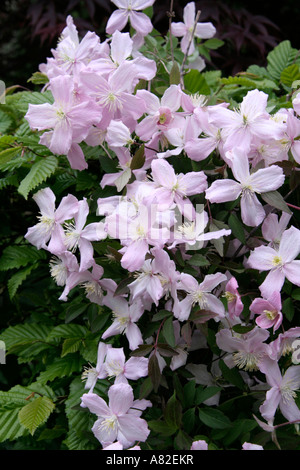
(234, 302)
(117, 366)
(273, 228)
(250, 121)
(199, 445)
(280, 263)
(92, 374)
(162, 113)
(247, 350)
(202, 30)
(127, 11)
(76, 235)
(282, 392)
(199, 294)
(269, 311)
(69, 120)
(261, 181)
(125, 318)
(49, 229)
(118, 420)
(249, 446)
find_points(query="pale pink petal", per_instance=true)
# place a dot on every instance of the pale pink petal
(41, 116)
(163, 173)
(205, 30)
(223, 191)
(289, 247)
(61, 139)
(189, 14)
(120, 47)
(117, 21)
(267, 179)
(194, 182)
(262, 258)
(211, 281)
(134, 256)
(45, 199)
(95, 231)
(133, 428)
(56, 244)
(290, 410)
(67, 208)
(269, 407)
(86, 254)
(178, 29)
(172, 98)
(134, 336)
(273, 281)
(252, 211)
(240, 164)
(95, 404)
(136, 367)
(76, 157)
(199, 149)
(120, 398)
(140, 22)
(292, 272)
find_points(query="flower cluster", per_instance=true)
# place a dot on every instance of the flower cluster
(157, 218)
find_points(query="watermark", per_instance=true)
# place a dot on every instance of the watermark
(2, 352)
(2, 92)
(296, 351)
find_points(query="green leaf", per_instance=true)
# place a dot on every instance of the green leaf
(10, 427)
(73, 311)
(38, 78)
(142, 350)
(188, 420)
(168, 332)
(17, 279)
(242, 329)
(40, 172)
(62, 367)
(20, 336)
(198, 260)
(67, 331)
(5, 122)
(17, 256)
(161, 315)
(162, 428)
(33, 97)
(213, 43)
(280, 58)
(145, 388)
(206, 393)
(138, 158)
(214, 418)
(173, 412)
(237, 228)
(154, 372)
(288, 309)
(70, 345)
(189, 391)
(290, 74)
(232, 375)
(275, 199)
(8, 154)
(175, 74)
(194, 82)
(35, 413)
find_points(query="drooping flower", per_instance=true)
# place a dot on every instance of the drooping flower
(91, 374)
(118, 420)
(234, 302)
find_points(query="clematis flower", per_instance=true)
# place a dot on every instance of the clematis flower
(234, 302)
(246, 350)
(282, 393)
(117, 366)
(118, 420)
(61, 266)
(246, 186)
(199, 294)
(92, 374)
(69, 120)
(49, 228)
(125, 318)
(269, 311)
(185, 29)
(273, 228)
(76, 235)
(129, 10)
(280, 263)
(199, 445)
(250, 446)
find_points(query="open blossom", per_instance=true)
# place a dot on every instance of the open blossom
(185, 29)
(246, 186)
(92, 374)
(280, 263)
(125, 318)
(117, 366)
(69, 120)
(269, 311)
(273, 228)
(49, 228)
(199, 294)
(282, 393)
(199, 445)
(129, 10)
(247, 350)
(120, 420)
(234, 302)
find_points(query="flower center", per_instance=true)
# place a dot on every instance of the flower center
(93, 288)
(270, 314)
(199, 298)
(287, 393)
(122, 322)
(58, 271)
(45, 226)
(229, 296)
(72, 237)
(246, 360)
(277, 261)
(114, 368)
(109, 424)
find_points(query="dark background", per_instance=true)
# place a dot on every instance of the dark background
(250, 29)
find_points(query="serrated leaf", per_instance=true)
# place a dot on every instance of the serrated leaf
(214, 418)
(290, 74)
(10, 427)
(23, 335)
(63, 367)
(8, 154)
(17, 256)
(5, 122)
(280, 58)
(274, 199)
(70, 345)
(35, 413)
(40, 172)
(194, 82)
(67, 331)
(38, 78)
(17, 279)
